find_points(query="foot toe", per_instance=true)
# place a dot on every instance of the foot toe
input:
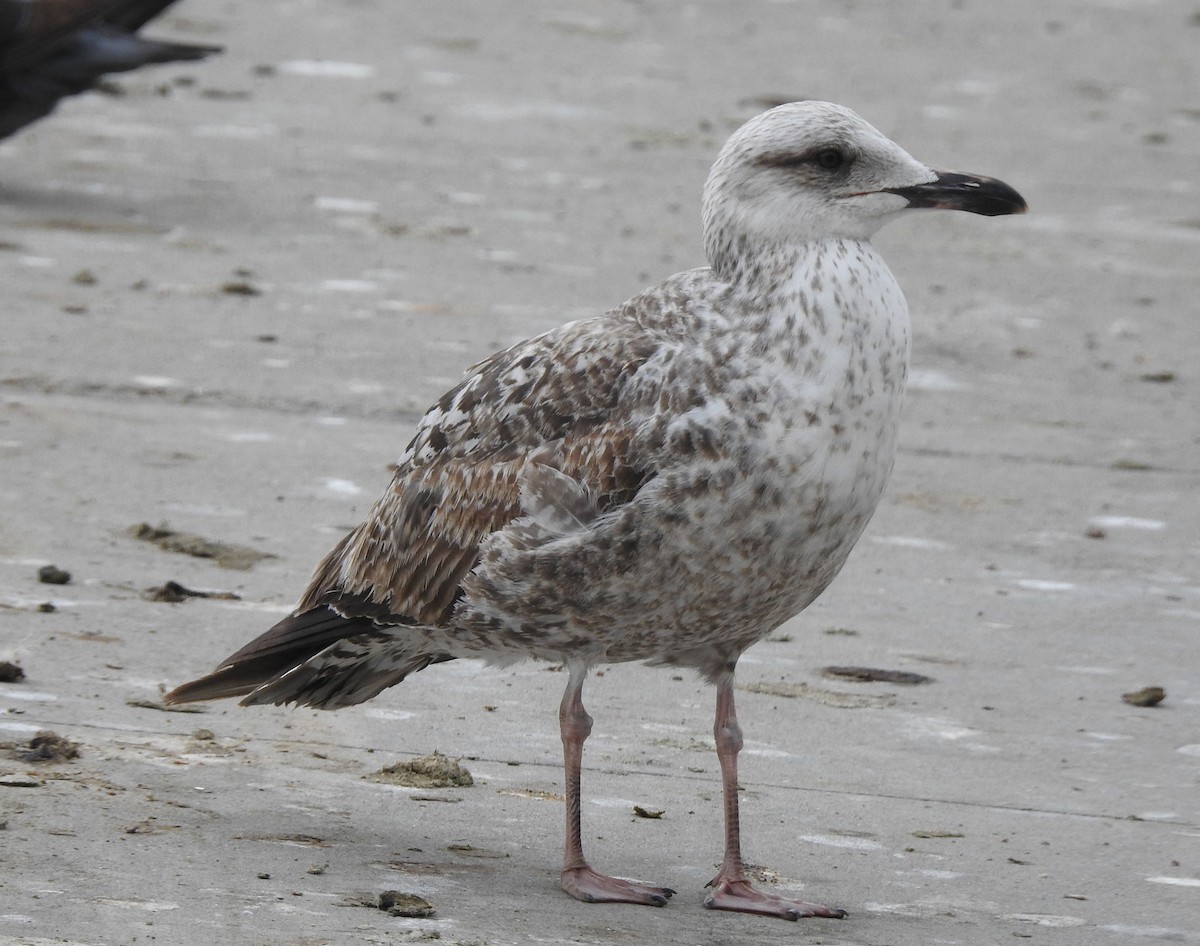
(739, 896)
(590, 886)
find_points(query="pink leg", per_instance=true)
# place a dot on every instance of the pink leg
(578, 878)
(731, 890)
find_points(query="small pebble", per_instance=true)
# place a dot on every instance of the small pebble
(240, 287)
(53, 575)
(1147, 696)
(398, 903)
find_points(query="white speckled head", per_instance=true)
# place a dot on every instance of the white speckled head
(809, 172)
(806, 171)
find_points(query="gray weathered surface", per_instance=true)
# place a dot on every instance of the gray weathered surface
(488, 175)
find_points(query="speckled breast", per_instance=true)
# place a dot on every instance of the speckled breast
(764, 485)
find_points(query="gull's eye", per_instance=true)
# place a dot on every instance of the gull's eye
(830, 159)
(827, 158)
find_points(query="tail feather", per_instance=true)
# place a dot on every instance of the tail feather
(51, 31)
(315, 658)
(53, 49)
(101, 51)
(346, 673)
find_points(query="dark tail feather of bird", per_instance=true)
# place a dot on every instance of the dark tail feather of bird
(316, 658)
(52, 49)
(286, 645)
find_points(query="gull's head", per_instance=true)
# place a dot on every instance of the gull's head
(813, 171)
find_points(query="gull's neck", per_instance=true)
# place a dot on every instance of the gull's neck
(790, 295)
(764, 269)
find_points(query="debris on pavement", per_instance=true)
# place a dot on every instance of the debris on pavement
(399, 903)
(802, 690)
(429, 771)
(164, 707)
(1147, 696)
(46, 746)
(874, 675)
(224, 554)
(172, 592)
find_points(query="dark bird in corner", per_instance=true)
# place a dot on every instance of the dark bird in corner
(52, 49)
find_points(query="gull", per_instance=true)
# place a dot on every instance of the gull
(667, 482)
(52, 49)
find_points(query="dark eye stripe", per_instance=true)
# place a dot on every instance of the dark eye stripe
(820, 156)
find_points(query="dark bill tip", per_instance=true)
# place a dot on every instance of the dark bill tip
(969, 192)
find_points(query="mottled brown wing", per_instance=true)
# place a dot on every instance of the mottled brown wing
(554, 400)
(555, 430)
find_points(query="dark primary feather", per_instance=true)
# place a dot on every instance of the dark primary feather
(293, 640)
(52, 49)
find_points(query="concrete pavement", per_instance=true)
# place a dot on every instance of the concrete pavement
(229, 292)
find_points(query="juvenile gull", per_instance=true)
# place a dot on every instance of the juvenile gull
(668, 482)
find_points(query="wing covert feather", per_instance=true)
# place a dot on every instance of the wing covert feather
(559, 399)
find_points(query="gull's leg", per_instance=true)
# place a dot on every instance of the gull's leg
(731, 890)
(578, 879)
